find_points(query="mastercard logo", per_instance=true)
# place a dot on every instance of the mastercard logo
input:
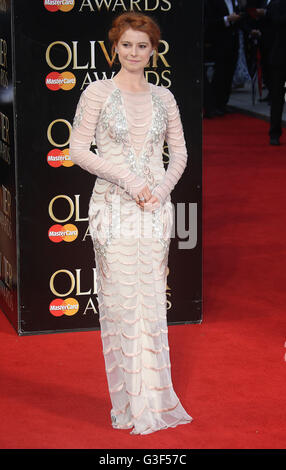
(55, 5)
(67, 233)
(60, 81)
(60, 307)
(56, 158)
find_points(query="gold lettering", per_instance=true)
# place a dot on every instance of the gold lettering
(6, 201)
(4, 127)
(3, 53)
(166, 156)
(167, 274)
(8, 273)
(75, 64)
(132, 2)
(86, 81)
(99, 4)
(51, 208)
(78, 292)
(77, 217)
(164, 73)
(151, 9)
(92, 307)
(168, 302)
(92, 55)
(86, 3)
(86, 234)
(147, 5)
(161, 55)
(52, 287)
(69, 56)
(121, 3)
(168, 4)
(3, 5)
(49, 132)
(106, 55)
(152, 72)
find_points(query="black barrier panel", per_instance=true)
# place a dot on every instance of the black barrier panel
(61, 47)
(8, 239)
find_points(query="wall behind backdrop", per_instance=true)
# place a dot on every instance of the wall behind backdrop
(58, 49)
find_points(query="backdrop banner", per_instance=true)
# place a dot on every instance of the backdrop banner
(8, 226)
(48, 271)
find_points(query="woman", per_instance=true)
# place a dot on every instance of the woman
(130, 221)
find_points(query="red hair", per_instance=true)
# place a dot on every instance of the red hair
(138, 22)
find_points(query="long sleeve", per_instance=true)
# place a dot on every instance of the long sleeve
(82, 135)
(177, 150)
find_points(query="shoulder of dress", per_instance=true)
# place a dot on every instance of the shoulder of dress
(99, 90)
(163, 93)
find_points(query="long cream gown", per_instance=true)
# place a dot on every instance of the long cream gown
(131, 246)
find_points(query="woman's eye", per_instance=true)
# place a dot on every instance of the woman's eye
(142, 46)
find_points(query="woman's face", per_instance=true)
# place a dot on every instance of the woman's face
(134, 50)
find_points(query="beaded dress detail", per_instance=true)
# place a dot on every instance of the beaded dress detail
(131, 245)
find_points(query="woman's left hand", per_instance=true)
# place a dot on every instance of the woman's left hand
(152, 203)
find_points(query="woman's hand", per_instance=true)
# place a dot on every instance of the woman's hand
(144, 195)
(146, 200)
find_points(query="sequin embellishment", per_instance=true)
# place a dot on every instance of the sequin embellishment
(79, 112)
(109, 224)
(113, 120)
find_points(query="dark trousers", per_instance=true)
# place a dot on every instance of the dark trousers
(278, 79)
(266, 44)
(266, 75)
(208, 98)
(222, 80)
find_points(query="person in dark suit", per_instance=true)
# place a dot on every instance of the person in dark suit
(267, 29)
(259, 21)
(208, 100)
(276, 12)
(222, 21)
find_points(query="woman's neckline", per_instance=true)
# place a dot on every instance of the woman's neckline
(129, 91)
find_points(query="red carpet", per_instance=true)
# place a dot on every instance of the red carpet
(229, 372)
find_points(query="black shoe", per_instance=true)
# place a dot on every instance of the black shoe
(274, 141)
